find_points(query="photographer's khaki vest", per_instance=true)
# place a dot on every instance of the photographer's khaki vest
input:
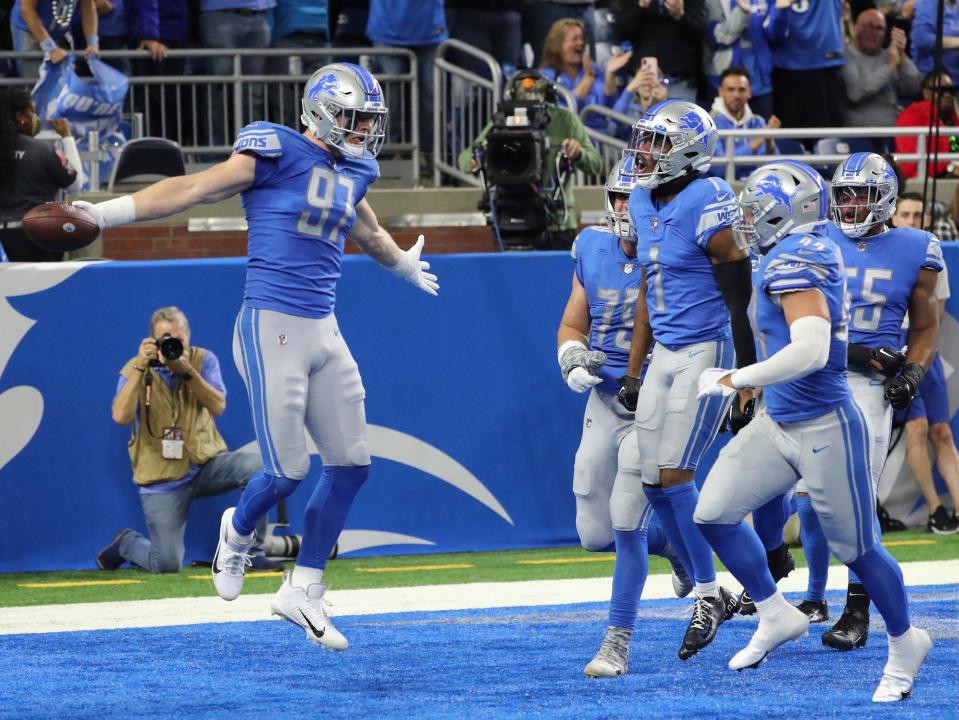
(202, 441)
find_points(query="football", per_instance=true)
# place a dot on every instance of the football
(60, 227)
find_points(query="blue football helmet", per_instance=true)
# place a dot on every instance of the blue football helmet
(620, 181)
(343, 107)
(778, 199)
(864, 183)
(673, 137)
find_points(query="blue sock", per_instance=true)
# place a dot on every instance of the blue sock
(326, 512)
(629, 576)
(882, 578)
(853, 578)
(656, 540)
(259, 496)
(769, 521)
(683, 499)
(739, 547)
(667, 521)
(816, 548)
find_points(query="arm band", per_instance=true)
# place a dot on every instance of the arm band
(93, 41)
(118, 211)
(72, 154)
(808, 352)
(48, 45)
(735, 283)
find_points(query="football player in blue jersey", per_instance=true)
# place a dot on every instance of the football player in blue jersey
(594, 335)
(696, 284)
(303, 194)
(810, 427)
(892, 273)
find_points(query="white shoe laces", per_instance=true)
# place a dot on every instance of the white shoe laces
(700, 614)
(235, 563)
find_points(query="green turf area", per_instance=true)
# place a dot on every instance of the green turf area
(394, 571)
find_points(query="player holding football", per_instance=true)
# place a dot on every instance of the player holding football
(892, 272)
(611, 511)
(696, 283)
(810, 426)
(303, 194)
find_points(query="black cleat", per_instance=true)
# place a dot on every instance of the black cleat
(816, 611)
(746, 604)
(708, 614)
(109, 558)
(850, 631)
(942, 523)
(780, 562)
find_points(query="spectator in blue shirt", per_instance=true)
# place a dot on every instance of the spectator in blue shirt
(735, 38)
(806, 40)
(642, 92)
(126, 24)
(36, 26)
(731, 111)
(420, 26)
(566, 62)
(924, 36)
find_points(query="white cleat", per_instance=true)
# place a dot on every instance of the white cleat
(305, 608)
(612, 659)
(905, 659)
(229, 561)
(789, 623)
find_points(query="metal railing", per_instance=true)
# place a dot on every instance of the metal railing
(463, 102)
(202, 111)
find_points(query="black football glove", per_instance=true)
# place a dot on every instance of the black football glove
(629, 392)
(738, 419)
(901, 390)
(890, 359)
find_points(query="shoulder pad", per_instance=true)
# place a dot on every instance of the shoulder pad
(260, 138)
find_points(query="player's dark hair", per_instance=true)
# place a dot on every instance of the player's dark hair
(735, 70)
(12, 101)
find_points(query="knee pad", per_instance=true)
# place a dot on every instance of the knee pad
(713, 511)
(593, 536)
(628, 505)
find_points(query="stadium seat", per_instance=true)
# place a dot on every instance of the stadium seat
(147, 159)
(790, 146)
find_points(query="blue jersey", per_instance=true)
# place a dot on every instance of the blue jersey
(611, 279)
(683, 297)
(300, 209)
(807, 35)
(796, 263)
(882, 271)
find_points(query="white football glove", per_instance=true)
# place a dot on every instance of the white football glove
(709, 383)
(413, 270)
(110, 213)
(579, 380)
(90, 209)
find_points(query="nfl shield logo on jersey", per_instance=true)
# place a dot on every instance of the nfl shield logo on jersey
(628, 268)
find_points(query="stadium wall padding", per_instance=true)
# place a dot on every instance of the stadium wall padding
(472, 429)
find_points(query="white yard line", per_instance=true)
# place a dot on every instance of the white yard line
(247, 608)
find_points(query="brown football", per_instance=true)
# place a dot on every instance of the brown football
(60, 227)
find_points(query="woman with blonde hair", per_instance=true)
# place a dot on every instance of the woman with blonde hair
(566, 62)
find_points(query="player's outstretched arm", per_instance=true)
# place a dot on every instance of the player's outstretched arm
(175, 194)
(810, 335)
(380, 245)
(576, 361)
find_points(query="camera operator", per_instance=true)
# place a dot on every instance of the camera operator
(563, 147)
(169, 393)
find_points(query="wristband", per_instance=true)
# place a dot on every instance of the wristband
(49, 45)
(138, 368)
(566, 346)
(118, 211)
(93, 41)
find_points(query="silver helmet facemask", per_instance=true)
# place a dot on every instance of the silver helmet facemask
(778, 199)
(343, 107)
(864, 191)
(620, 183)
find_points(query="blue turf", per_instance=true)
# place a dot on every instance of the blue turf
(521, 662)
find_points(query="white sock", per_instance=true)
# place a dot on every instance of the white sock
(234, 537)
(771, 605)
(303, 577)
(707, 589)
(900, 641)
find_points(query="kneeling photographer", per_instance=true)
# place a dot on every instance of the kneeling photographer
(527, 156)
(169, 393)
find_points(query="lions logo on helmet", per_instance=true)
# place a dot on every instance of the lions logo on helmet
(778, 199)
(864, 192)
(621, 181)
(673, 138)
(343, 107)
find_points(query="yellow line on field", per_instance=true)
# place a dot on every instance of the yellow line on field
(901, 543)
(415, 568)
(78, 583)
(565, 561)
(252, 575)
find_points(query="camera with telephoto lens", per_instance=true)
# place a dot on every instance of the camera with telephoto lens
(170, 348)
